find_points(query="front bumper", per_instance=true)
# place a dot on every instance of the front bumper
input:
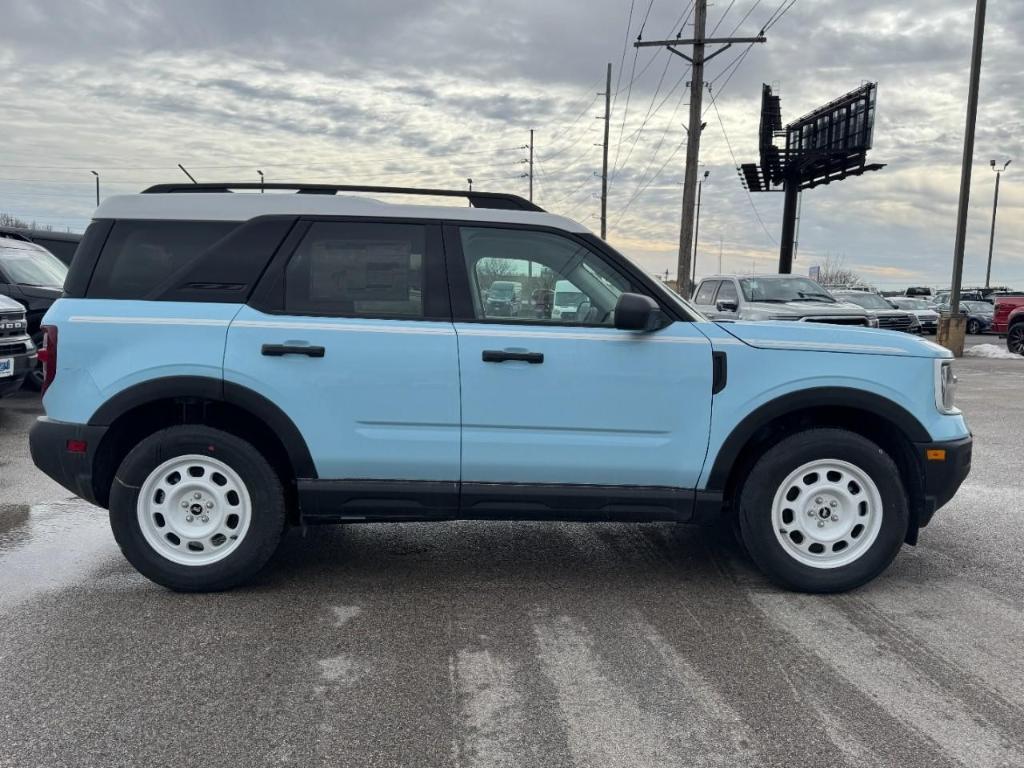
(23, 363)
(48, 444)
(944, 467)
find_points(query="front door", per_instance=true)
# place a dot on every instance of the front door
(353, 341)
(570, 400)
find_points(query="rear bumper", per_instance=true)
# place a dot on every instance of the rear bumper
(48, 444)
(942, 477)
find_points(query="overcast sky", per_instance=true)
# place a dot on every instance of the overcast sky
(428, 92)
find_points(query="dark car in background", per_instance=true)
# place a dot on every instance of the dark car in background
(61, 244)
(33, 277)
(979, 315)
(888, 317)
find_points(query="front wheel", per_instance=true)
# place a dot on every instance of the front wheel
(196, 509)
(823, 511)
(1015, 339)
(973, 327)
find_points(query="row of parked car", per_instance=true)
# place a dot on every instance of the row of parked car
(33, 266)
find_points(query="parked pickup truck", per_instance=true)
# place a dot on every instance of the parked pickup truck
(1008, 321)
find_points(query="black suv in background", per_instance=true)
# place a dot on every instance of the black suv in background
(33, 277)
(61, 244)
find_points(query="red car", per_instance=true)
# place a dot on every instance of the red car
(1008, 321)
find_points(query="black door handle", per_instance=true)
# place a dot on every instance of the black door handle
(501, 356)
(280, 350)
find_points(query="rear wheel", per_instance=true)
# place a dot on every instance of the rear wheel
(196, 509)
(973, 327)
(823, 511)
(1015, 339)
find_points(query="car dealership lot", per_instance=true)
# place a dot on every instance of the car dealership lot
(518, 644)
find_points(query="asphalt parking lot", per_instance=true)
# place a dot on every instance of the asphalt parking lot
(519, 644)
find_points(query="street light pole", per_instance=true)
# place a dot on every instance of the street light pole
(995, 207)
(97, 187)
(261, 179)
(696, 233)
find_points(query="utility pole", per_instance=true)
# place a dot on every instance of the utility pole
(697, 60)
(604, 162)
(531, 165)
(951, 329)
(995, 207)
(696, 228)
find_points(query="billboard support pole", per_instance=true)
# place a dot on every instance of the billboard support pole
(789, 224)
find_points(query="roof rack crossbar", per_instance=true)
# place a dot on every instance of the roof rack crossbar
(476, 199)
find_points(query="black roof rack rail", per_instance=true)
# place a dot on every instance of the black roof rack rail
(499, 200)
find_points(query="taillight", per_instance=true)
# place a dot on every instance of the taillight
(48, 355)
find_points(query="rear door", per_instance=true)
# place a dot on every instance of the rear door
(574, 401)
(349, 333)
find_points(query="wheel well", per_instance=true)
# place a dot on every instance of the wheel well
(881, 431)
(134, 425)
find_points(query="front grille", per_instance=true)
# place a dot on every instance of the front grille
(12, 349)
(12, 325)
(862, 321)
(894, 322)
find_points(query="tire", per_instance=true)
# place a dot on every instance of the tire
(780, 495)
(973, 327)
(227, 501)
(1015, 339)
(34, 380)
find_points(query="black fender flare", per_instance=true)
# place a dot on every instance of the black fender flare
(218, 390)
(793, 402)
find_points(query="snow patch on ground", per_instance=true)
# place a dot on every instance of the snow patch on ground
(992, 351)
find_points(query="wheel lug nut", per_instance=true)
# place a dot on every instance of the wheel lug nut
(205, 518)
(197, 495)
(810, 513)
(184, 505)
(835, 518)
(821, 523)
(209, 505)
(818, 500)
(833, 503)
(188, 518)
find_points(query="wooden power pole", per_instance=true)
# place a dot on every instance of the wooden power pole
(604, 162)
(697, 60)
(531, 165)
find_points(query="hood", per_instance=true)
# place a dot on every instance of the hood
(806, 308)
(10, 305)
(822, 337)
(41, 291)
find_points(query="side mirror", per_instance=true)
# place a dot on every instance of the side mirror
(634, 312)
(727, 306)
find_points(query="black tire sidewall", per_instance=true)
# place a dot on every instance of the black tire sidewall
(758, 495)
(265, 493)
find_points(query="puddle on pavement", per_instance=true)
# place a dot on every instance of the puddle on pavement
(48, 546)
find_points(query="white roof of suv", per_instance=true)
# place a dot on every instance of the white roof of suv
(214, 206)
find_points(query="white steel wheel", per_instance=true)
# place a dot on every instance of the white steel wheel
(194, 510)
(827, 513)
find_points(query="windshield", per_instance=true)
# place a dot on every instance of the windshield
(32, 267)
(782, 289)
(866, 300)
(911, 303)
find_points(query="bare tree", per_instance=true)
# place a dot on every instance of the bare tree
(7, 220)
(489, 270)
(835, 273)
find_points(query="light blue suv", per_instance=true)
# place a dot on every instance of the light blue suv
(224, 364)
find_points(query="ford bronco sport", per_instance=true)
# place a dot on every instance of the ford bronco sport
(224, 364)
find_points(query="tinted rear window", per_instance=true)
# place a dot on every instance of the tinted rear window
(139, 255)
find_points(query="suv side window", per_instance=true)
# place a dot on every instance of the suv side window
(140, 254)
(706, 293)
(727, 292)
(508, 267)
(351, 269)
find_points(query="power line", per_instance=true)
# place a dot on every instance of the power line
(622, 61)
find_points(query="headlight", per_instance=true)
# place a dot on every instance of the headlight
(945, 387)
(872, 322)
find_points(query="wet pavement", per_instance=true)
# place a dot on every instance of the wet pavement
(518, 644)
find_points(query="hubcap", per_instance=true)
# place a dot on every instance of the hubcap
(1016, 340)
(194, 510)
(827, 513)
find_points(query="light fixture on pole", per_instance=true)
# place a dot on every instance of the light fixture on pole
(995, 207)
(97, 187)
(261, 179)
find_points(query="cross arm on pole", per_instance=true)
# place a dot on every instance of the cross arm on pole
(705, 41)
